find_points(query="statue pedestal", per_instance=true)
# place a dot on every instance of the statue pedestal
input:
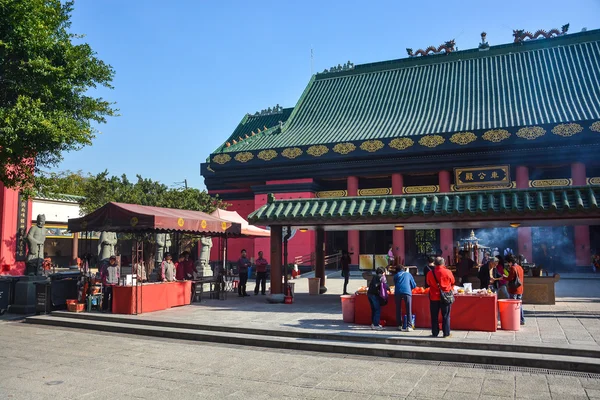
(25, 294)
(203, 271)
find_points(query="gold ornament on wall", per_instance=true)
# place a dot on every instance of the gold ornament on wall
(531, 132)
(566, 130)
(431, 140)
(463, 138)
(421, 189)
(496, 135)
(401, 143)
(318, 150)
(595, 126)
(344, 148)
(593, 181)
(267, 155)
(244, 157)
(372, 145)
(538, 183)
(222, 158)
(291, 153)
(332, 193)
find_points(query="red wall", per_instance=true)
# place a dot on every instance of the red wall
(9, 205)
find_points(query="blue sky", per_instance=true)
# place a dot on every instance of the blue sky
(188, 70)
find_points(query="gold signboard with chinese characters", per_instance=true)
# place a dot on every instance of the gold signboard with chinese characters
(23, 211)
(482, 176)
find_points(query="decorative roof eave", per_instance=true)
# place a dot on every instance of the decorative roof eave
(557, 202)
(554, 134)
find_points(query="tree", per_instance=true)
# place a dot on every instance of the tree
(45, 78)
(97, 190)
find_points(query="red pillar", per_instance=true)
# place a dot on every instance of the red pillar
(398, 236)
(525, 241)
(446, 235)
(582, 233)
(75, 249)
(9, 216)
(353, 236)
(276, 253)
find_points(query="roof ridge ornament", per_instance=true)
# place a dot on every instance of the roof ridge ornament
(269, 111)
(346, 67)
(484, 45)
(520, 34)
(447, 47)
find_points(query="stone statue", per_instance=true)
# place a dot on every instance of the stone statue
(35, 243)
(206, 242)
(106, 246)
(163, 243)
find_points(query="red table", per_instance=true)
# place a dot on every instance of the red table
(468, 313)
(151, 297)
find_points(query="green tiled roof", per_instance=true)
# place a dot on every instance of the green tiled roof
(458, 205)
(252, 123)
(539, 82)
(66, 198)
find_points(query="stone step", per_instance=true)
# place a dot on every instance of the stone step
(396, 339)
(377, 349)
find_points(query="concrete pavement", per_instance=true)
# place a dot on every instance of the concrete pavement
(55, 363)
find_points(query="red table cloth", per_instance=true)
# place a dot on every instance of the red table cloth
(151, 297)
(468, 313)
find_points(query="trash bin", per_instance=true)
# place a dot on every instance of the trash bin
(510, 314)
(43, 298)
(313, 286)
(347, 308)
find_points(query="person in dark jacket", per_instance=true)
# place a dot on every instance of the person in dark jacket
(243, 264)
(374, 295)
(261, 274)
(345, 264)
(428, 268)
(404, 284)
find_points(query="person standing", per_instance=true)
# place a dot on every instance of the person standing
(499, 276)
(464, 267)
(390, 256)
(180, 268)
(188, 266)
(439, 279)
(261, 274)
(404, 284)
(243, 264)
(345, 264)
(428, 268)
(167, 269)
(514, 289)
(484, 272)
(377, 285)
(110, 277)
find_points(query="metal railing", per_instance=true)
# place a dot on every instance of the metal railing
(309, 259)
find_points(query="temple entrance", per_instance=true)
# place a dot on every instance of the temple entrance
(375, 242)
(420, 244)
(554, 248)
(336, 241)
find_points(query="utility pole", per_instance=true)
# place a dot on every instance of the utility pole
(185, 182)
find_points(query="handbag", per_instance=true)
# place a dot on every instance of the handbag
(446, 297)
(515, 283)
(383, 294)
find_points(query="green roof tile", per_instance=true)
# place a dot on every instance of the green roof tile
(489, 204)
(539, 82)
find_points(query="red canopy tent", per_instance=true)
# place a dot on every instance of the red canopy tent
(120, 217)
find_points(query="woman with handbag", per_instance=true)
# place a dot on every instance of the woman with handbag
(377, 294)
(440, 282)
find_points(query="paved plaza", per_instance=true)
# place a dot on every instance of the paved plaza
(573, 321)
(53, 363)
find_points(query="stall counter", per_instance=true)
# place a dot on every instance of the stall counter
(468, 313)
(151, 297)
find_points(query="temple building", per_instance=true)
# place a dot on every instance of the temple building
(491, 133)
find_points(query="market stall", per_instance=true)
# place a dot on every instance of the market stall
(132, 296)
(470, 312)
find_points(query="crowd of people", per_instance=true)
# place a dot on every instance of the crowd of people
(502, 275)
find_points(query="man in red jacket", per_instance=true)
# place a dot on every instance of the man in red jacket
(515, 270)
(440, 277)
(261, 273)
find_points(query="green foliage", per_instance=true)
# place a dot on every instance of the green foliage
(45, 106)
(100, 189)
